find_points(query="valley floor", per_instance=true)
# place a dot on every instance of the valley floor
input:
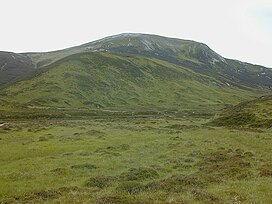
(133, 160)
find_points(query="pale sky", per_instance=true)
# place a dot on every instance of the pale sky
(238, 29)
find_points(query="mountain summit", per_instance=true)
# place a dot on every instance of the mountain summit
(152, 45)
(129, 70)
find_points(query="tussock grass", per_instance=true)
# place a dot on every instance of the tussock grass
(133, 163)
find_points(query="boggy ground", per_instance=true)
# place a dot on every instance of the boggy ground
(133, 160)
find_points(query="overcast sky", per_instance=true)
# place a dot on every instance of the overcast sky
(239, 29)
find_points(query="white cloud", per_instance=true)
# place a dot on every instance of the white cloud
(235, 28)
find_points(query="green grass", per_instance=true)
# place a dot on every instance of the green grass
(193, 55)
(133, 160)
(254, 113)
(95, 80)
(132, 124)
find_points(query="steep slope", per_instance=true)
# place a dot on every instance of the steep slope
(13, 65)
(102, 79)
(169, 49)
(255, 113)
(194, 55)
(130, 70)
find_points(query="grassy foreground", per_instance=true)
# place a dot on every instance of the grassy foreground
(133, 160)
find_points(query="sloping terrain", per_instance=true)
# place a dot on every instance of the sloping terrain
(104, 79)
(255, 113)
(126, 120)
(194, 55)
(130, 70)
(13, 65)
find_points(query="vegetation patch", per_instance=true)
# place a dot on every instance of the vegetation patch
(266, 170)
(223, 164)
(100, 181)
(139, 173)
(40, 195)
(131, 187)
(43, 139)
(84, 166)
(182, 127)
(236, 197)
(114, 199)
(113, 150)
(201, 195)
(45, 196)
(59, 171)
(95, 133)
(254, 114)
(175, 183)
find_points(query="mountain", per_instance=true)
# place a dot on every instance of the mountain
(111, 80)
(194, 55)
(13, 65)
(133, 70)
(168, 49)
(254, 113)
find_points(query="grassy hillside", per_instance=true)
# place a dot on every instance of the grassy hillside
(193, 55)
(13, 65)
(169, 49)
(256, 113)
(98, 80)
(126, 120)
(130, 70)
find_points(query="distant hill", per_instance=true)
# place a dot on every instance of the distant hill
(194, 55)
(255, 113)
(13, 65)
(131, 70)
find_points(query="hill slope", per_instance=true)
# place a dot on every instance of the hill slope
(112, 80)
(255, 113)
(194, 55)
(13, 65)
(131, 70)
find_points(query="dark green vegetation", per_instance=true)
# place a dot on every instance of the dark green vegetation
(133, 160)
(131, 71)
(255, 113)
(130, 119)
(102, 80)
(13, 65)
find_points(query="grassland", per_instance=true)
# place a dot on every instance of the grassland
(133, 159)
(254, 113)
(130, 119)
